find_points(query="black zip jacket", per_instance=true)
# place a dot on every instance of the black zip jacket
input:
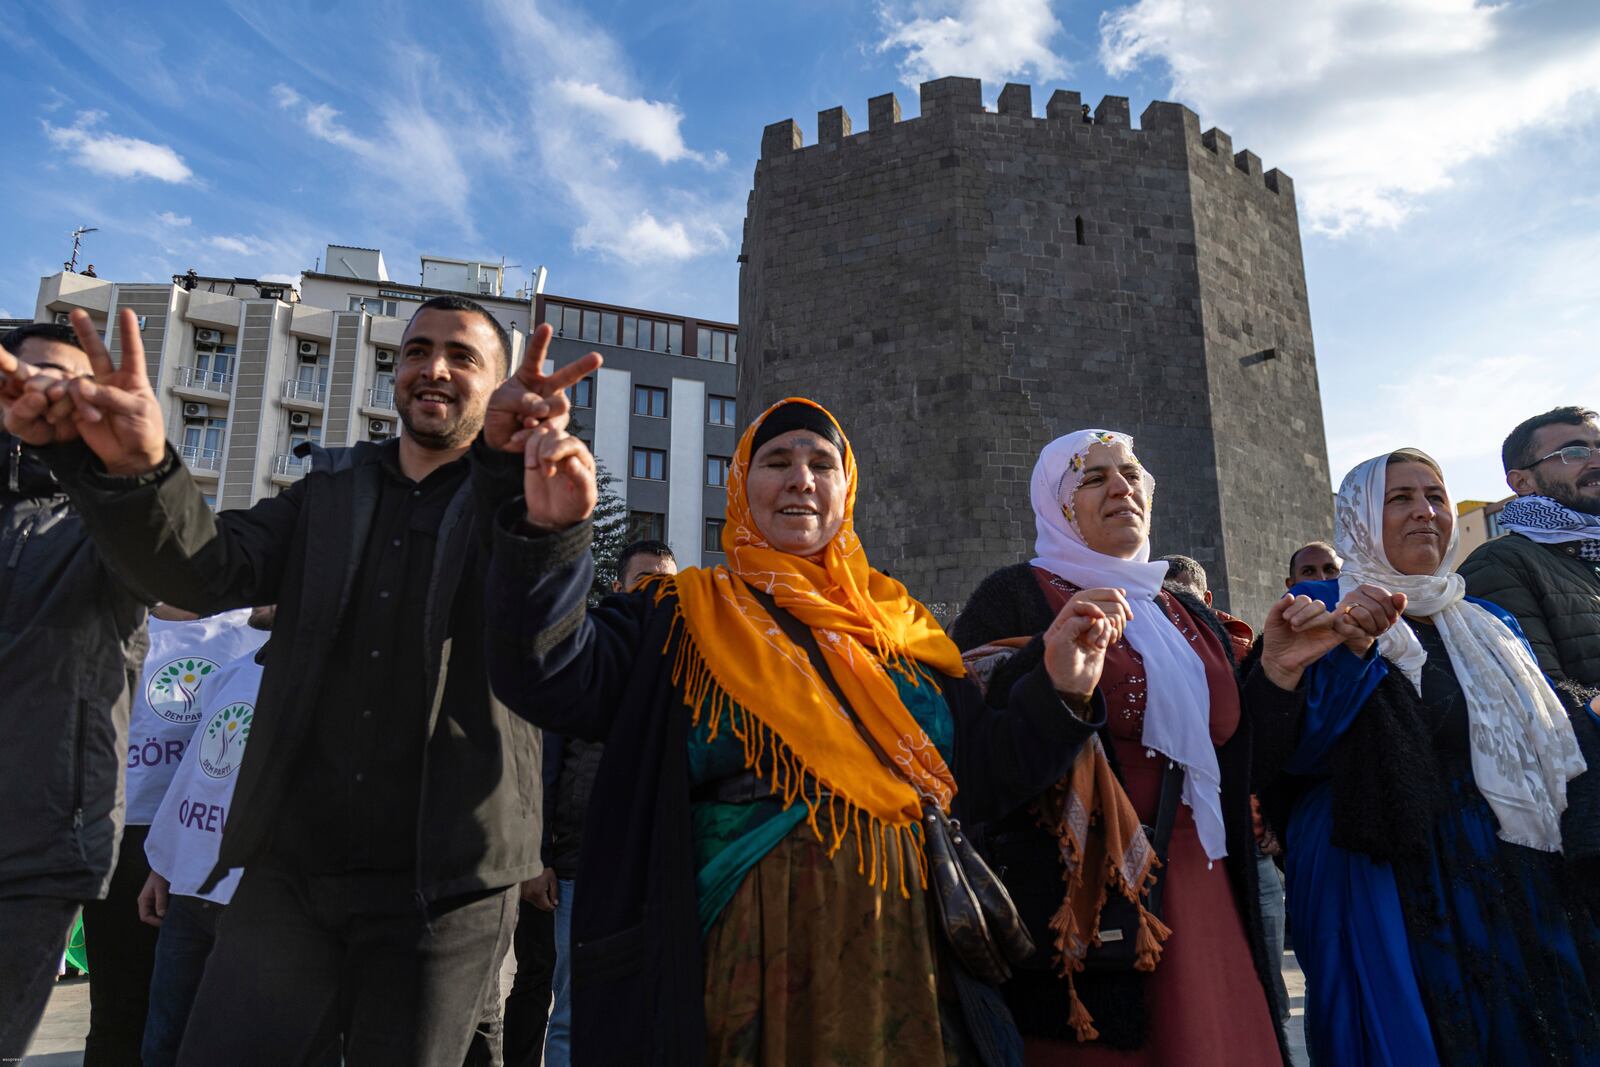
(478, 819)
(72, 642)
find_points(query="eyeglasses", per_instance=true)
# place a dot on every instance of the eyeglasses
(1569, 455)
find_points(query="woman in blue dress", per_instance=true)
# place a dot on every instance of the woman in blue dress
(1423, 762)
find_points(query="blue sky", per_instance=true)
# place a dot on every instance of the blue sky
(1445, 154)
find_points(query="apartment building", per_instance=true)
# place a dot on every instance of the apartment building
(247, 371)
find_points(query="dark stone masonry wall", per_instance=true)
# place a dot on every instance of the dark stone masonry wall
(962, 287)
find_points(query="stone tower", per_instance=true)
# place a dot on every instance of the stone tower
(962, 287)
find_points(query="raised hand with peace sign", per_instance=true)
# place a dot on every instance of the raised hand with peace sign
(114, 409)
(531, 398)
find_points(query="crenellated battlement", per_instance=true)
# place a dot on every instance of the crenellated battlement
(946, 99)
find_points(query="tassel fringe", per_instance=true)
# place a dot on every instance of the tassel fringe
(788, 776)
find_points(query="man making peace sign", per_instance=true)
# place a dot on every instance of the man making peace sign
(388, 805)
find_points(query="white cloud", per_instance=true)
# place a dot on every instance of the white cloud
(579, 101)
(648, 125)
(169, 218)
(994, 40)
(1369, 104)
(114, 155)
(241, 246)
(410, 149)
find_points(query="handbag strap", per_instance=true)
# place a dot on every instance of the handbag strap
(1166, 815)
(801, 634)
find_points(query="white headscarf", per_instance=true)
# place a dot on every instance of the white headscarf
(1523, 748)
(1177, 712)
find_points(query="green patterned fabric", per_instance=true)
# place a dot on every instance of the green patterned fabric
(731, 838)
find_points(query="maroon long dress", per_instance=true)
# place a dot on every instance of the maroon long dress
(1206, 1003)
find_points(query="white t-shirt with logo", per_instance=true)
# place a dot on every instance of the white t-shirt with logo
(187, 829)
(184, 657)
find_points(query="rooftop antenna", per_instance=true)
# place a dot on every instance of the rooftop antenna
(77, 239)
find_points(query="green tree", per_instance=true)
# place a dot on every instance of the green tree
(610, 534)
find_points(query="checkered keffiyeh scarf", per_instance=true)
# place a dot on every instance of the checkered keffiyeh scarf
(1541, 519)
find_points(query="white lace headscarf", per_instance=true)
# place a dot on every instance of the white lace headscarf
(1177, 712)
(1523, 748)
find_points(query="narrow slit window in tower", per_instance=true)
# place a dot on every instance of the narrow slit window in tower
(1078, 226)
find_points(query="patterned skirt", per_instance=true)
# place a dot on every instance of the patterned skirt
(808, 964)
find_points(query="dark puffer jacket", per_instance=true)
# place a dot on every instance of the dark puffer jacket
(72, 641)
(1554, 595)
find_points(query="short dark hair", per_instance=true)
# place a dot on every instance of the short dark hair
(43, 331)
(1187, 572)
(658, 549)
(1517, 452)
(471, 307)
(1334, 552)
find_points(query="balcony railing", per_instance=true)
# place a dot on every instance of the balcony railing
(308, 392)
(381, 398)
(204, 459)
(289, 465)
(212, 381)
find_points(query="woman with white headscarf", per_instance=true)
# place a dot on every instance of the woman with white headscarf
(1425, 783)
(1201, 991)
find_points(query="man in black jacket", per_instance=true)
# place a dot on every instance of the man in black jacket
(72, 641)
(387, 805)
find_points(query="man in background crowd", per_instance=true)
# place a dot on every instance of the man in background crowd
(186, 829)
(569, 771)
(1188, 576)
(72, 641)
(1313, 562)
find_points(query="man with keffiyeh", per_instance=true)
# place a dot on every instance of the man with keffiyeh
(1546, 572)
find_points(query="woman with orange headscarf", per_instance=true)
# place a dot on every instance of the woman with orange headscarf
(754, 887)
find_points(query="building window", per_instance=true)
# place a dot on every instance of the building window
(713, 538)
(583, 393)
(647, 526)
(213, 367)
(719, 410)
(650, 463)
(719, 346)
(717, 470)
(210, 499)
(202, 440)
(372, 305)
(655, 335)
(650, 400)
(1078, 227)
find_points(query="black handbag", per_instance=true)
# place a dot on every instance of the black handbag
(976, 913)
(1117, 949)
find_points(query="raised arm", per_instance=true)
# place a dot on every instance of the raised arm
(146, 515)
(551, 659)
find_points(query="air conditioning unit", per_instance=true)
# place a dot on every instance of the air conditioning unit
(384, 357)
(193, 410)
(299, 420)
(63, 318)
(308, 350)
(379, 428)
(208, 337)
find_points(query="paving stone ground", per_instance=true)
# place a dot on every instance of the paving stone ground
(59, 1042)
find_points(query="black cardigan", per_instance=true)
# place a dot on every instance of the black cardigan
(1009, 603)
(605, 674)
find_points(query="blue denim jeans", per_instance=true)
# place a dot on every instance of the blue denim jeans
(188, 931)
(1272, 918)
(558, 1035)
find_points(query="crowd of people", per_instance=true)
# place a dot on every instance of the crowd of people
(376, 736)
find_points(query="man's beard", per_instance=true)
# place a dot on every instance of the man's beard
(1572, 498)
(455, 433)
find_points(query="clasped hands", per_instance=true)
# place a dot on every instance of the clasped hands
(1300, 630)
(1076, 641)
